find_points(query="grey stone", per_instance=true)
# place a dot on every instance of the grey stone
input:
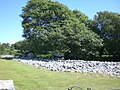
(7, 85)
(111, 68)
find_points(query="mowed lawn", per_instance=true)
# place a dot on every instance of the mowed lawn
(27, 77)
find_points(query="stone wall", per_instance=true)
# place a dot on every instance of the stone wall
(111, 68)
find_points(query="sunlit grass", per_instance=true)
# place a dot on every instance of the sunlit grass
(31, 78)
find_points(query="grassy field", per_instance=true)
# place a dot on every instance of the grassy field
(31, 78)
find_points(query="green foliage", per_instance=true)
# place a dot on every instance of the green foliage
(81, 42)
(50, 26)
(81, 17)
(22, 47)
(7, 49)
(45, 56)
(43, 23)
(109, 31)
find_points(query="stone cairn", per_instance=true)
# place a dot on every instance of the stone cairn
(81, 66)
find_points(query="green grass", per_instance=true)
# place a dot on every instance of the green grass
(31, 78)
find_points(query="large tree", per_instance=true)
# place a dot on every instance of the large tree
(107, 26)
(51, 26)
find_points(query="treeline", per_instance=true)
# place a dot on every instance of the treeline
(7, 49)
(52, 27)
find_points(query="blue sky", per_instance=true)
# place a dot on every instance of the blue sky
(10, 22)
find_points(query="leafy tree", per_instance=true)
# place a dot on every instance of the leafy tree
(50, 26)
(42, 22)
(22, 46)
(107, 26)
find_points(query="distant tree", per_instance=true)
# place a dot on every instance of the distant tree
(6, 49)
(107, 26)
(1, 49)
(6, 45)
(50, 26)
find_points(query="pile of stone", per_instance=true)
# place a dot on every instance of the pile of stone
(111, 68)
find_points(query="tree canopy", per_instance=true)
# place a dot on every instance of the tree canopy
(50, 26)
(107, 26)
